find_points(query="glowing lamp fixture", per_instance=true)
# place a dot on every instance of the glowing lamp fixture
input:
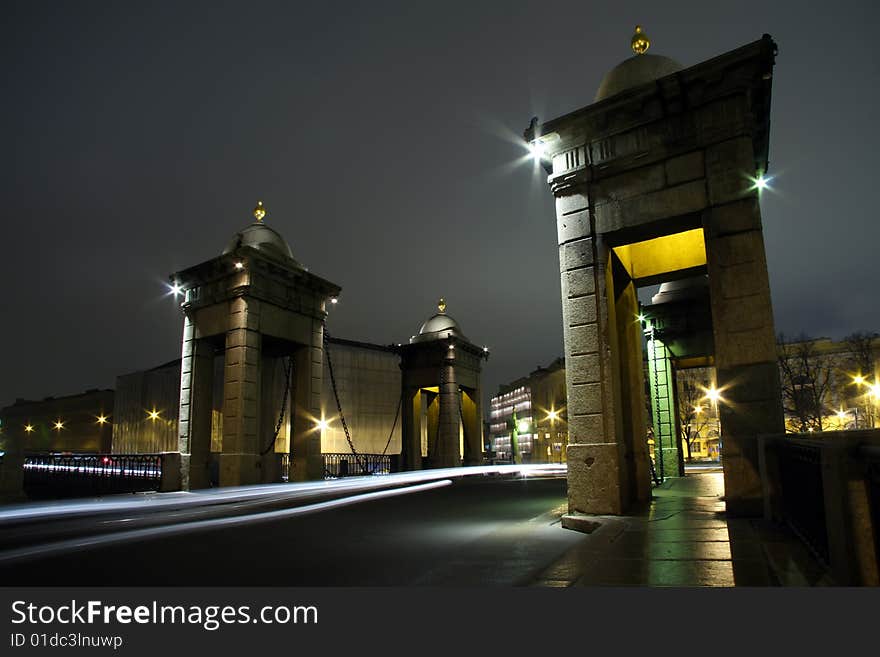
(153, 415)
(239, 265)
(540, 146)
(858, 379)
(641, 317)
(698, 409)
(841, 414)
(175, 289)
(523, 426)
(29, 428)
(58, 426)
(552, 415)
(102, 419)
(322, 424)
(537, 149)
(713, 395)
(875, 391)
(334, 300)
(760, 183)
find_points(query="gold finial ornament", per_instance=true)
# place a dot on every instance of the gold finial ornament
(640, 42)
(441, 305)
(259, 211)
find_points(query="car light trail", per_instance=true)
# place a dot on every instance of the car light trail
(72, 545)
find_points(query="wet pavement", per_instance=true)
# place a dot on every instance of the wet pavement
(685, 539)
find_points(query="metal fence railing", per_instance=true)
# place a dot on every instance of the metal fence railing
(355, 465)
(803, 494)
(76, 475)
(872, 481)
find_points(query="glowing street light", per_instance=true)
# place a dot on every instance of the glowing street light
(760, 183)
(858, 379)
(29, 428)
(176, 289)
(698, 409)
(523, 426)
(537, 149)
(552, 415)
(153, 415)
(713, 395)
(842, 415)
(239, 265)
(59, 425)
(102, 419)
(322, 425)
(334, 300)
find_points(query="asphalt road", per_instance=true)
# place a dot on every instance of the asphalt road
(471, 532)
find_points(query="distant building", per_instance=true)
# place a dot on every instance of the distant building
(73, 423)
(529, 414)
(830, 385)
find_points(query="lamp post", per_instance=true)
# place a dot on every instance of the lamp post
(872, 397)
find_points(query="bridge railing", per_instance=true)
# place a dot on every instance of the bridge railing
(827, 489)
(355, 465)
(51, 475)
(803, 494)
(76, 475)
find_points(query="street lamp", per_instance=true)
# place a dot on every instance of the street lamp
(873, 396)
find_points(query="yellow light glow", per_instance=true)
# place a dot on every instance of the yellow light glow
(841, 414)
(322, 424)
(29, 427)
(239, 265)
(858, 379)
(713, 395)
(154, 414)
(59, 425)
(523, 426)
(698, 409)
(663, 255)
(102, 419)
(552, 415)
(875, 391)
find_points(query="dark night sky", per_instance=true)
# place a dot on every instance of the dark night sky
(383, 138)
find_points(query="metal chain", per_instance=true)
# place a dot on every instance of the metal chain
(394, 425)
(288, 376)
(362, 461)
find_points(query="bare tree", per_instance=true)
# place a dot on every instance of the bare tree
(806, 381)
(863, 353)
(862, 350)
(691, 421)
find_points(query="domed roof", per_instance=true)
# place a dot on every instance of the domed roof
(636, 70)
(262, 238)
(438, 327)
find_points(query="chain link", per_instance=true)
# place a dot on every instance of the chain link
(348, 439)
(288, 376)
